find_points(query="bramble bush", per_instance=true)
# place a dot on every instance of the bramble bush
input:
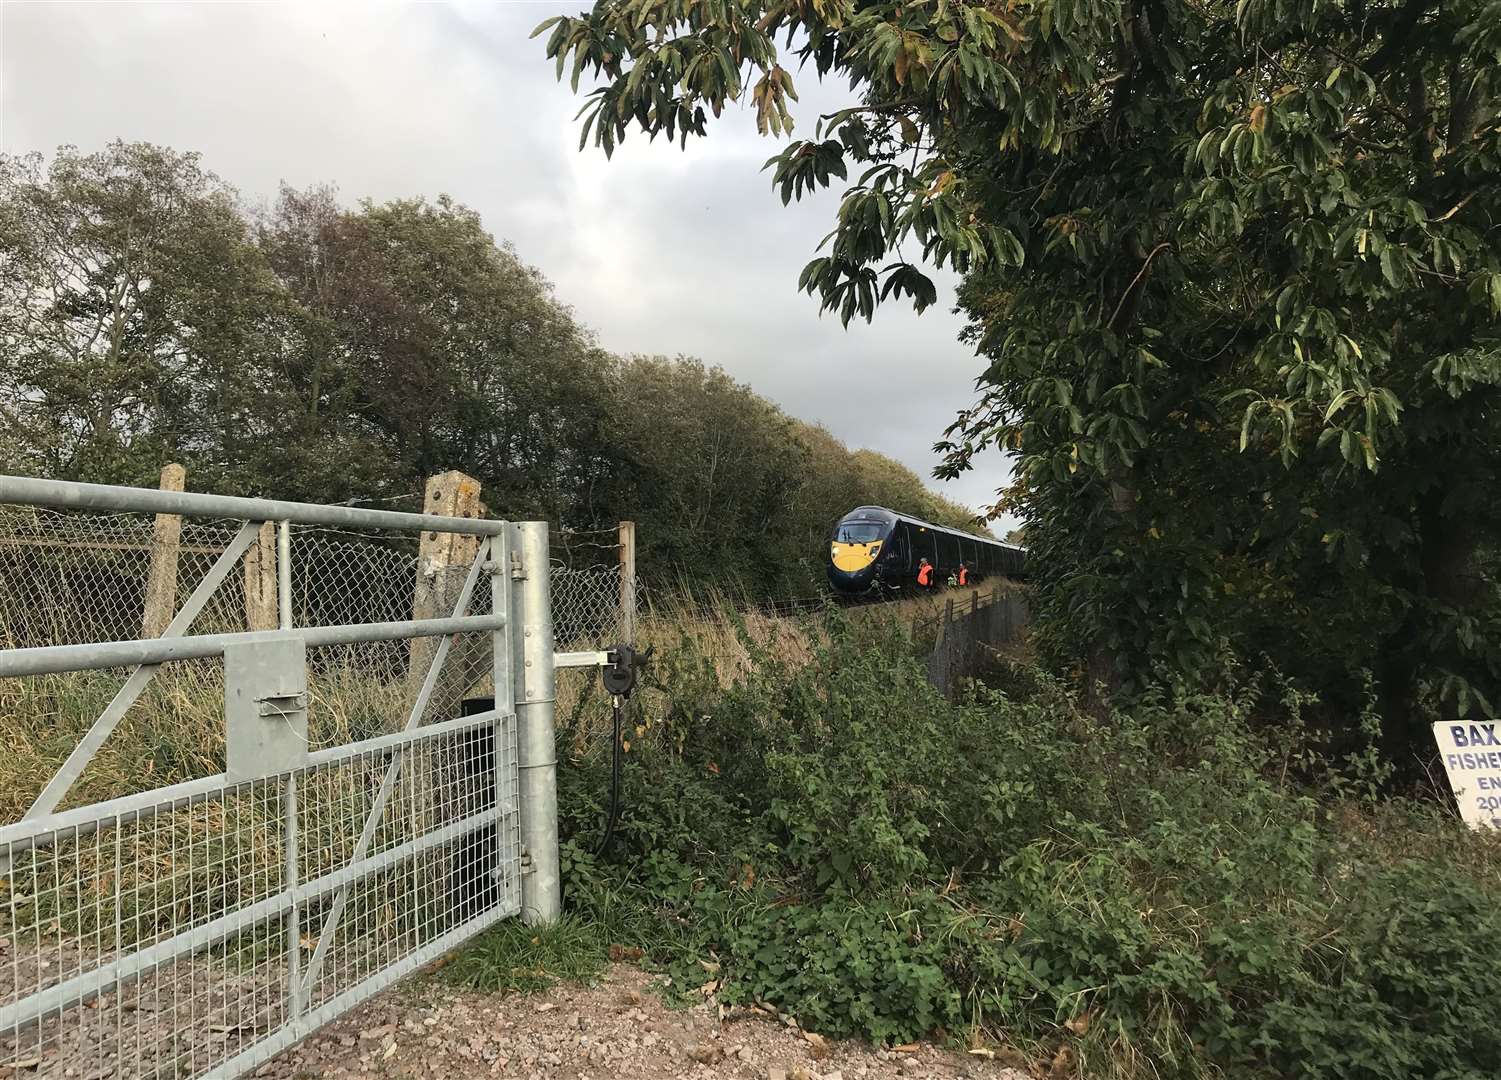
(1186, 888)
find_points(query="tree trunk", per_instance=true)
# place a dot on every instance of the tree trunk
(1448, 547)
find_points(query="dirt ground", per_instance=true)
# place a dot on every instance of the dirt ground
(616, 1029)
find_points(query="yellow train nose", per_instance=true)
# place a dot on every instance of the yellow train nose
(852, 558)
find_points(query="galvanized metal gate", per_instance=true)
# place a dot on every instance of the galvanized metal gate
(198, 928)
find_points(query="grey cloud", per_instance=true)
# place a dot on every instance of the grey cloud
(659, 250)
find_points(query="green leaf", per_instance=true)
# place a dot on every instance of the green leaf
(1389, 266)
(1338, 403)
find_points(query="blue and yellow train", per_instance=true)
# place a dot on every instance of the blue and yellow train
(875, 548)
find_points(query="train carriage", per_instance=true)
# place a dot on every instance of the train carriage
(873, 547)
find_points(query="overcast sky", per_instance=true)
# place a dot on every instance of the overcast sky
(658, 250)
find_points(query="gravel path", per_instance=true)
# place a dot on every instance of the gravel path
(615, 1030)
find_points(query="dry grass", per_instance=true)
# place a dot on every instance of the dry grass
(721, 634)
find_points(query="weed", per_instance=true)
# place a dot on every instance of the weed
(526, 959)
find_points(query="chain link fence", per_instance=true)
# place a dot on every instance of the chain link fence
(70, 578)
(67, 578)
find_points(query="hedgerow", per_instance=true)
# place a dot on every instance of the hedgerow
(1184, 888)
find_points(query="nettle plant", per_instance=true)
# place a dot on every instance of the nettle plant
(1232, 269)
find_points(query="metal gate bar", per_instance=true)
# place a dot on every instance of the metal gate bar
(71, 495)
(53, 659)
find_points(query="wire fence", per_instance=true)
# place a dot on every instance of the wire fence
(68, 578)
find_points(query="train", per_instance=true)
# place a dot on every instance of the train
(873, 548)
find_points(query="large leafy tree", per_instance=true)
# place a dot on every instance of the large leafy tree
(1234, 271)
(422, 344)
(132, 312)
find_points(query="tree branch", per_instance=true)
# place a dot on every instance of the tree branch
(1456, 208)
(1135, 283)
(1398, 35)
(1464, 106)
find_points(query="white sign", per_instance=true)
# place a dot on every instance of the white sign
(1472, 758)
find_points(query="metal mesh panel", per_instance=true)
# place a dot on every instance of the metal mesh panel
(341, 577)
(70, 577)
(586, 605)
(161, 940)
(67, 578)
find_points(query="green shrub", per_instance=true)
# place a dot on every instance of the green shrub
(1185, 889)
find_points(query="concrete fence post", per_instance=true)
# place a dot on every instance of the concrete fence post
(166, 545)
(443, 561)
(261, 593)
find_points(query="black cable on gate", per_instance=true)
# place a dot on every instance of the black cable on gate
(615, 755)
(619, 677)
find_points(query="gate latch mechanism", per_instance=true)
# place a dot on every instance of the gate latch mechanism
(620, 672)
(265, 705)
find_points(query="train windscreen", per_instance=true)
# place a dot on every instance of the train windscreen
(858, 533)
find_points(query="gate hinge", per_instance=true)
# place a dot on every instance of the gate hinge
(526, 862)
(518, 572)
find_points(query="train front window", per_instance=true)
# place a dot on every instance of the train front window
(858, 534)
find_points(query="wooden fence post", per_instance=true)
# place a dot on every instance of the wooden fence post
(628, 581)
(166, 545)
(262, 610)
(443, 559)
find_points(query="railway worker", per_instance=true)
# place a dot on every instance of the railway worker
(963, 574)
(924, 574)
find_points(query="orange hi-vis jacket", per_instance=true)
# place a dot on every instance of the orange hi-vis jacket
(925, 574)
(963, 575)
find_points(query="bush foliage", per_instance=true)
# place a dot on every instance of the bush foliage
(1181, 889)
